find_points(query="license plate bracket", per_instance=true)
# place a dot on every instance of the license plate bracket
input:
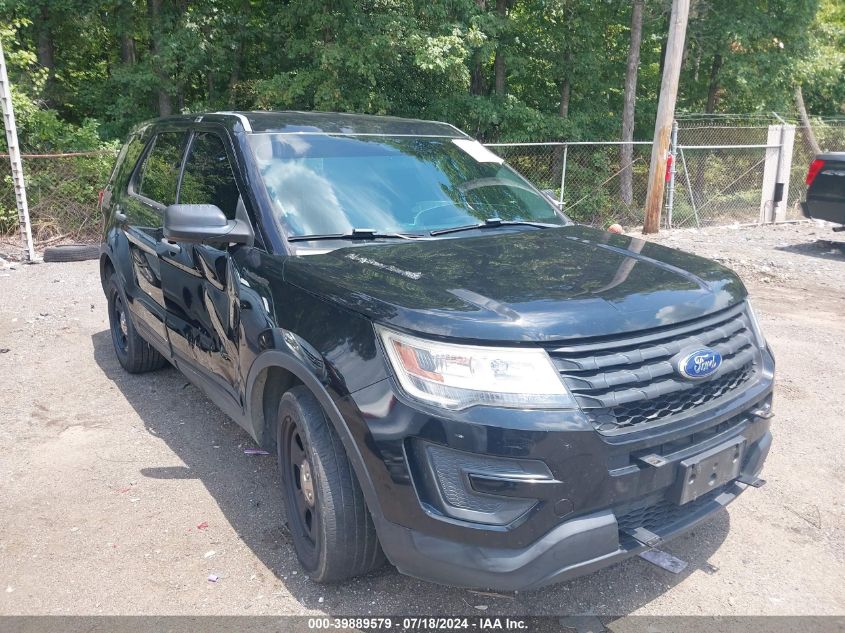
(699, 474)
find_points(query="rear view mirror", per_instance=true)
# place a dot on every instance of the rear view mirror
(204, 224)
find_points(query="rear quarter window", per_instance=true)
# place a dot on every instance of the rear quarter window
(125, 164)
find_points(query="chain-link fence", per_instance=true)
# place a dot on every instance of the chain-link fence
(720, 163)
(596, 183)
(62, 190)
(720, 169)
(718, 173)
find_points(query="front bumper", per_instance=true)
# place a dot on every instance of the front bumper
(573, 548)
(596, 490)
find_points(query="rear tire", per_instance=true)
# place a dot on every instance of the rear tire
(133, 352)
(333, 533)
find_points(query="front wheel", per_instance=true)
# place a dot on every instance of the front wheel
(333, 533)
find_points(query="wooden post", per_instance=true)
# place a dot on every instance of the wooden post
(665, 114)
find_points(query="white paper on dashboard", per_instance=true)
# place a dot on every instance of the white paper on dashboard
(477, 151)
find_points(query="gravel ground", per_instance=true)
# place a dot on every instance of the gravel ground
(121, 494)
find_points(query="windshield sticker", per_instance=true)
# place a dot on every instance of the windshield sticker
(366, 260)
(475, 149)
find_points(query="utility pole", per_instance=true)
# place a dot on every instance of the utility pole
(665, 114)
(15, 156)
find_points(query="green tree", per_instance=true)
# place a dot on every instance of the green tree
(503, 69)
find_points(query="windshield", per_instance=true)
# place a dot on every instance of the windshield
(332, 185)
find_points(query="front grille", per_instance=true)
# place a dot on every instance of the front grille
(624, 384)
(642, 412)
(664, 514)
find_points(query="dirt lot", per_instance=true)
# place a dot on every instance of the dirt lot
(121, 494)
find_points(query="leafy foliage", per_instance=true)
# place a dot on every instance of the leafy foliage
(86, 71)
(86, 66)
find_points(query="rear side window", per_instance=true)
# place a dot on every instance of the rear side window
(159, 173)
(208, 176)
(126, 162)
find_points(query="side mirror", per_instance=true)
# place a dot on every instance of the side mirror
(204, 224)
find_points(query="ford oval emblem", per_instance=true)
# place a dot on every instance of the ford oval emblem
(701, 363)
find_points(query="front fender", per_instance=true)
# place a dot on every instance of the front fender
(286, 359)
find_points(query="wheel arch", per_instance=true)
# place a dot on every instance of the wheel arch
(268, 387)
(106, 269)
(272, 374)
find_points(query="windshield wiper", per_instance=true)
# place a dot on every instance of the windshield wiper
(356, 234)
(492, 223)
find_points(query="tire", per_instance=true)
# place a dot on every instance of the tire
(332, 531)
(71, 253)
(134, 353)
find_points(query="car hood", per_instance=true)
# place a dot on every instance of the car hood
(528, 285)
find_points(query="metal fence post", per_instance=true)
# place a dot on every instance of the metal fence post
(780, 200)
(769, 192)
(563, 174)
(777, 196)
(673, 151)
(689, 188)
(15, 157)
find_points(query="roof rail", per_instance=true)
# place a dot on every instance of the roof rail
(244, 121)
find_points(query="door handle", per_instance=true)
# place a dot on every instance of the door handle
(168, 247)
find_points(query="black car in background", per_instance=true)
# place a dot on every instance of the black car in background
(825, 181)
(450, 372)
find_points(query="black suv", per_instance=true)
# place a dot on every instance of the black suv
(450, 372)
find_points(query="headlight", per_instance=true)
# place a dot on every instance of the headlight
(460, 376)
(755, 325)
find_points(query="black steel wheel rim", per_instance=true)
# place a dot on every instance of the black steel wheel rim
(119, 323)
(303, 506)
